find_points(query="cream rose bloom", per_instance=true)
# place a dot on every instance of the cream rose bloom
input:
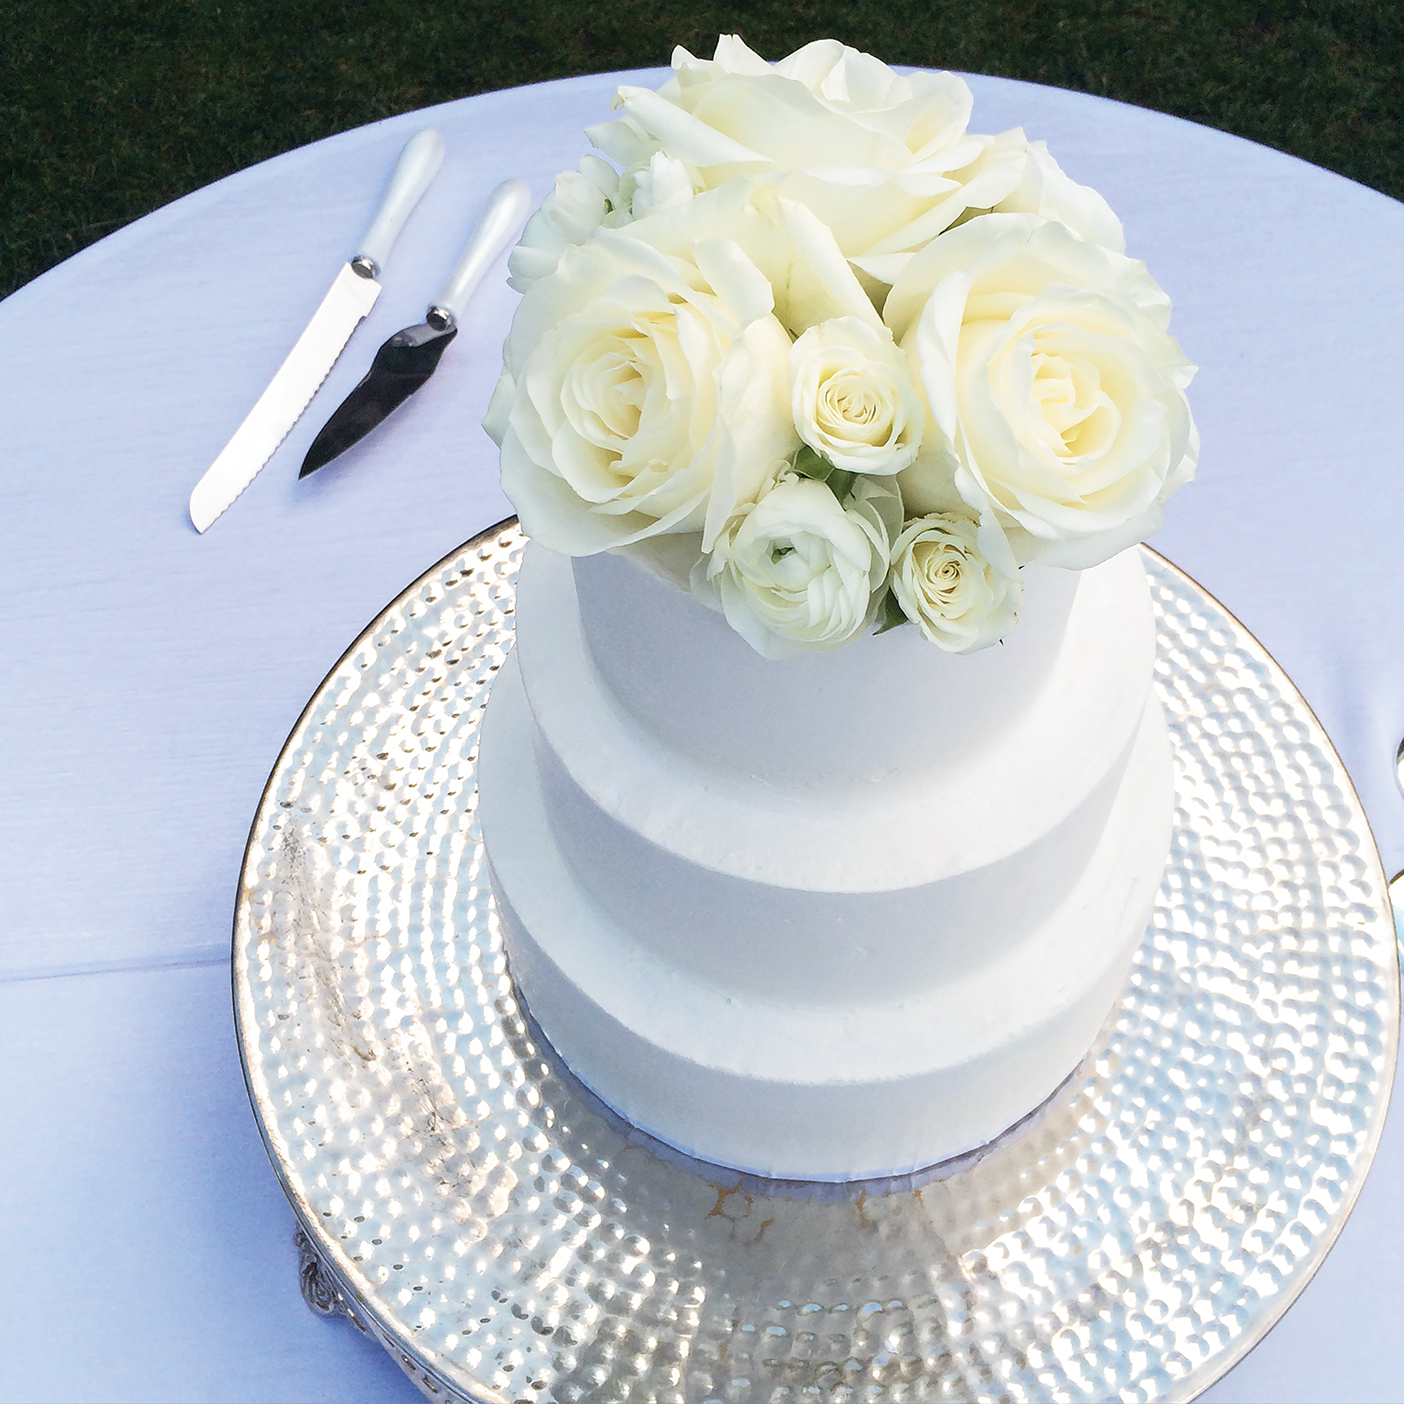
(593, 197)
(852, 397)
(957, 580)
(579, 203)
(641, 394)
(1056, 393)
(883, 160)
(798, 570)
(809, 278)
(1046, 190)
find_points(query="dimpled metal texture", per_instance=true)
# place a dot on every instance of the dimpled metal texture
(508, 1239)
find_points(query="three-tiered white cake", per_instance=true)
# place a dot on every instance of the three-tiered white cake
(829, 917)
(822, 852)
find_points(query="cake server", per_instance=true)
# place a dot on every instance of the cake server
(351, 296)
(411, 356)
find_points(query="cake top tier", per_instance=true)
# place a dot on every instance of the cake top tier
(887, 702)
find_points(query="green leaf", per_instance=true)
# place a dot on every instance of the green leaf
(814, 465)
(840, 482)
(811, 464)
(890, 614)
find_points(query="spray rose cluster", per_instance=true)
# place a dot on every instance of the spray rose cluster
(809, 347)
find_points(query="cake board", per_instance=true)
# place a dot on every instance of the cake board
(465, 1201)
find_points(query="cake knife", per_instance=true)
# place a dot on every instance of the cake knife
(411, 356)
(298, 379)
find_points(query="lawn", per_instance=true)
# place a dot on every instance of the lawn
(109, 110)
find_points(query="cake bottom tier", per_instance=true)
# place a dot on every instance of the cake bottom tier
(815, 1092)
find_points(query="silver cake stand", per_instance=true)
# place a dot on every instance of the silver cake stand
(467, 1203)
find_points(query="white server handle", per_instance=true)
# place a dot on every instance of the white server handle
(498, 225)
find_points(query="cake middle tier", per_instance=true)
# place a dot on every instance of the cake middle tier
(839, 893)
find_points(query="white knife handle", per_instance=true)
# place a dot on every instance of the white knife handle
(418, 164)
(500, 222)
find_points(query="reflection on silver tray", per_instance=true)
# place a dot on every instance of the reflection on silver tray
(471, 1206)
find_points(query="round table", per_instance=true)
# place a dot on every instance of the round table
(152, 674)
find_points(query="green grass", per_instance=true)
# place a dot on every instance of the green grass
(109, 110)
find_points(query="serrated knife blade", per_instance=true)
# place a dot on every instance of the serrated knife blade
(350, 298)
(288, 394)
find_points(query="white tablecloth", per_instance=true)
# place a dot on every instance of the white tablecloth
(151, 675)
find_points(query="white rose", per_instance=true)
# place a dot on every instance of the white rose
(1046, 190)
(663, 184)
(809, 277)
(957, 580)
(884, 160)
(852, 397)
(798, 570)
(594, 197)
(1042, 188)
(1056, 393)
(640, 394)
(578, 205)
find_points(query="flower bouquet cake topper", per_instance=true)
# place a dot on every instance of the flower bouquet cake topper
(816, 352)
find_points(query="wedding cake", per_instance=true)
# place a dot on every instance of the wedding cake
(825, 793)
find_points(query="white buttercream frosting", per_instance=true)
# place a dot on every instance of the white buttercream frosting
(826, 917)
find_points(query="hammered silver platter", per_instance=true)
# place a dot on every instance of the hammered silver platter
(463, 1199)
